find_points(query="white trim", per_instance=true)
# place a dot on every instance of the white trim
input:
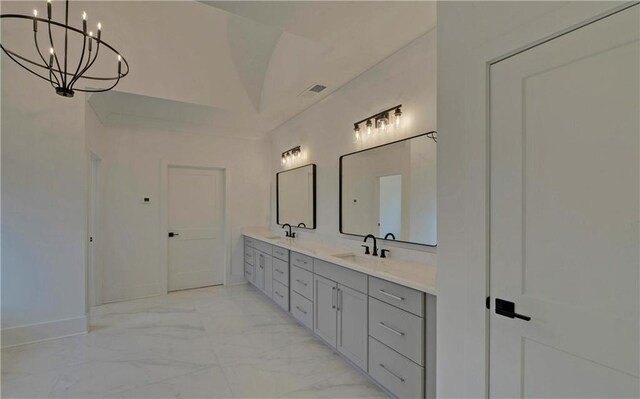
(164, 218)
(46, 331)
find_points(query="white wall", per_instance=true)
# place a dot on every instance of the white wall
(44, 185)
(325, 131)
(131, 161)
(470, 34)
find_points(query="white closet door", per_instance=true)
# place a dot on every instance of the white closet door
(565, 206)
(196, 221)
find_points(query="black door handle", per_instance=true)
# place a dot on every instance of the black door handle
(172, 234)
(508, 309)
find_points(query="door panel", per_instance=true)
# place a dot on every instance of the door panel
(325, 317)
(352, 325)
(196, 252)
(565, 205)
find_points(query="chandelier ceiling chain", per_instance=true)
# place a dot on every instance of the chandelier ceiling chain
(57, 73)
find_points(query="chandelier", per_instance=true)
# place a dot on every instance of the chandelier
(62, 73)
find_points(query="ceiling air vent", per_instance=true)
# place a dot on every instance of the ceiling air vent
(312, 91)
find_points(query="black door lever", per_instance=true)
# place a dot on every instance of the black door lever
(172, 234)
(508, 309)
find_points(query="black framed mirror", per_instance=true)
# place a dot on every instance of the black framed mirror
(296, 197)
(390, 191)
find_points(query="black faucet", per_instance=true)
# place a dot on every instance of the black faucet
(375, 245)
(301, 224)
(288, 233)
(393, 237)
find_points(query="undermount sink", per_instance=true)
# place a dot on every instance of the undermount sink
(357, 259)
(272, 237)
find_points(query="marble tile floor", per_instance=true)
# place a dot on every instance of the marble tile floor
(216, 342)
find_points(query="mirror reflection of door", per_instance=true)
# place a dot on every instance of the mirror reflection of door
(389, 205)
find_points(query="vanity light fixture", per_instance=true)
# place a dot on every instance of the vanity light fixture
(381, 120)
(292, 154)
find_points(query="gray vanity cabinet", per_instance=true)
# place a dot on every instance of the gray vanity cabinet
(325, 319)
(352, 325)
(340, 316)
(264, 272)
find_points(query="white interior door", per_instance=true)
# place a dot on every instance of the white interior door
(565, 214)
(196, 227)
(94, 281)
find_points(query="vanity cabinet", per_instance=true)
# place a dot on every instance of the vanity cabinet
(340, 313)
(380, 326)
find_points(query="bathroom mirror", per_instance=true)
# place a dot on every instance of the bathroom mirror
(296, 197)
(390, 191)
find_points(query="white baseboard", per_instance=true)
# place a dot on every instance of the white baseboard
(31, 333)
(236, 280)
(128, 293)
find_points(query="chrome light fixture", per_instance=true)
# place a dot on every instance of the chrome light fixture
(62, 76)
(381, 120)
(291, 155)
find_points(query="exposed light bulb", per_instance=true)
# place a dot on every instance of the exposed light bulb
(99, 26)
(51, 50)
(369, 124)
(356, 136)
(84, 15)
(50, 57)
(119, 58)
(90, 34)
(284, 160)
(35, 13)
(382, 125)
(397, 115)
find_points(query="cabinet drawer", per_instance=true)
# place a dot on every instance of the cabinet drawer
(302, 282)
(303, 261)
(347, 277)
(302, 309)
(281, 253)
(399, 330)
(249, 271)
(281, 295)
(248, 242)
(263, 247)
(399, 375)
(249, 255)
(397, 295)
(280, 271)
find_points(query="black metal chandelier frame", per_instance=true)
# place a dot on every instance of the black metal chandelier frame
(61, 78)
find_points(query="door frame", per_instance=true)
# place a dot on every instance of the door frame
(506, 55)
(164, 217)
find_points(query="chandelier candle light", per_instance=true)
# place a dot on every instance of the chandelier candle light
(62, 76)
(381, 120)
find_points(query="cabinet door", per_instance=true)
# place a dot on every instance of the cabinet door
(268, 275)
(352, 325)
(260, 260)
(325, 317)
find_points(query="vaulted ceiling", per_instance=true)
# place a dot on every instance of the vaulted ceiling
(240, 67)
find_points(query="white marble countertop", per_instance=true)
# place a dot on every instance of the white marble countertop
(414, 275)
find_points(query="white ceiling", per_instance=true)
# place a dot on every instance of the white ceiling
(239, 67)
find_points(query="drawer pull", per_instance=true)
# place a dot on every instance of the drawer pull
(279, 294)
(391, 329)
(298, 307)
(279, 271)
(248, 273)
(392, 373)
(398, 298)
(300, 260)
(302, 282)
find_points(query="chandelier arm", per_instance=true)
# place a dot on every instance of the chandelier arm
(35, 39)
(87, 66)
(84, 44)
(55, 54)
(11, 55)
(101, 90)
(66, 39)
